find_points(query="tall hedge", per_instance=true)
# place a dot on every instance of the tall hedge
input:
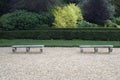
(109, 34)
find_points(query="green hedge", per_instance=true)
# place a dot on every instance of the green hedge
(109, 34)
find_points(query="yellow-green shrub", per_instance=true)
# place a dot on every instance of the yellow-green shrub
(67, 16)
(109, 23)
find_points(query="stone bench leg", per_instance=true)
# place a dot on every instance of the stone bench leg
(41, 50)
(110, 50)
(81, 50)
(14, 49)
(28, 49)
(95, 50)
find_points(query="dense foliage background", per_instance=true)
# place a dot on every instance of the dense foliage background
(48, 14)
(30, 14)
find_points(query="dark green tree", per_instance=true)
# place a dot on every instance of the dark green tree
(98, 11)
(117, 7)
(4, 6)
(71, 1)
(33, 5)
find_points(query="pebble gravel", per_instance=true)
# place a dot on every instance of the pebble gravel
(59, 63)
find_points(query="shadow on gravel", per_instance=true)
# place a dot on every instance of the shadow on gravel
(26, 53)
(100, 53)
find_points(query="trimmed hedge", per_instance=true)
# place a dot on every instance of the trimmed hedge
(109, 34)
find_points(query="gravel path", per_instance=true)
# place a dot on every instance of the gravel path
(59, 64)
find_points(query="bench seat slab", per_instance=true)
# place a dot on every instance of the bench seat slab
(110, 47)
(14, 47)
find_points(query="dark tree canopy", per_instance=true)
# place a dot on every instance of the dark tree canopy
(72, 1)
(4, 6)
(33, 5)
(30, 5)
(97, 11)
(117, 7)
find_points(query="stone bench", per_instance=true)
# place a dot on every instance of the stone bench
(14, 47)
(110, 47)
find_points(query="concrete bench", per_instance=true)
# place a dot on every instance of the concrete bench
(14, 47)
(110, 47)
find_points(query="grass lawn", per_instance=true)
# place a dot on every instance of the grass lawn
(4, 42)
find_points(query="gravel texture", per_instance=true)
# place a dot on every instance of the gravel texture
(59, 63)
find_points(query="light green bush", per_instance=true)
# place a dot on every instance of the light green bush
(116, 20)
(67, 16)
(109, 23)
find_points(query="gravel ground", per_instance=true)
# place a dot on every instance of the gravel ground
(59, 63)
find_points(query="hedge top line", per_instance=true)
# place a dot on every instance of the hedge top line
(69, 29)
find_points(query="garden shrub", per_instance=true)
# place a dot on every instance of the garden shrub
(3, 20)
(109, 23)
(21, 20)
(86, 24)
(47, 18)
(67, 16)
(116, 20)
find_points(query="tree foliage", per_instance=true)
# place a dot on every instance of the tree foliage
(4, 6)
(33, 5)
(71, 1)
(67, 16)
(98, 11)
(117, 7)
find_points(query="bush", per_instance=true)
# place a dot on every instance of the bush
(21, 20)
(116, 20)
(86, 24)
(109, 34)
(109, 23)
(67, 16)
(3, 20)
(47, 18)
